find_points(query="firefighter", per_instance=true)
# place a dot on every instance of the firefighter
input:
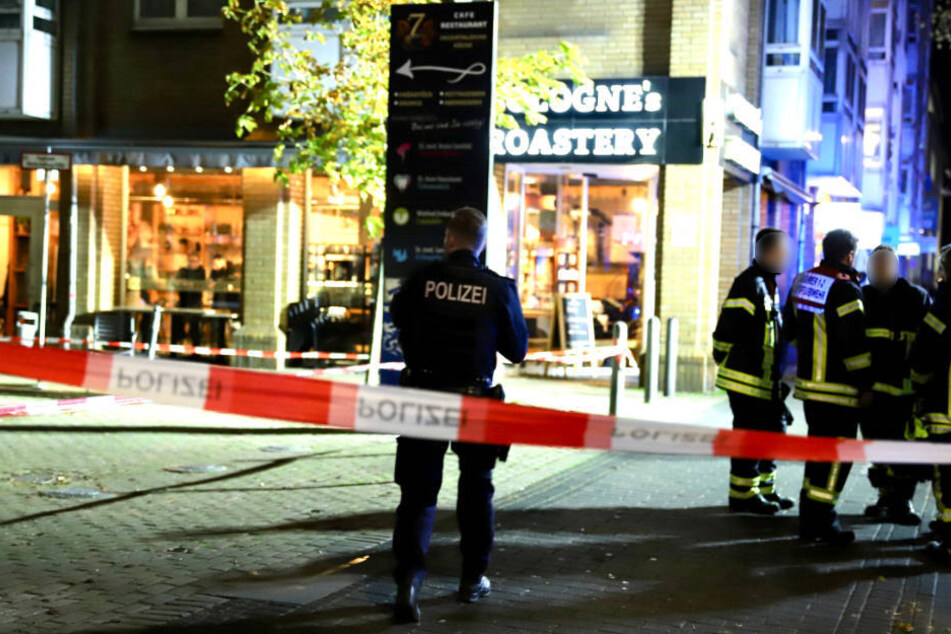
(931, 373)
(746, 349)
(894, 309)
(825, 318)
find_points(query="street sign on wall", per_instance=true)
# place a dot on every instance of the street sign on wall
(44, 160)
(442, 74)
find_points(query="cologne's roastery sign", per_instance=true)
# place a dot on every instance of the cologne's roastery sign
(654, 120)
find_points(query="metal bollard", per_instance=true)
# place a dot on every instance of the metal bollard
(617, 367)
(670, 365)
(652, 359)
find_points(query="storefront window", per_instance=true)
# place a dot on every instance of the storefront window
(578, 233)
(185, 239)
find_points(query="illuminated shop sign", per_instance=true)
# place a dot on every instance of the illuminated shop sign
(654, 120)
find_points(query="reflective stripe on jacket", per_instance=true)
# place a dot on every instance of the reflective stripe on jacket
(825, 318)
(746, 339)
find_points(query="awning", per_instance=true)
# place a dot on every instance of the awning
(144, 153)
(784, 187)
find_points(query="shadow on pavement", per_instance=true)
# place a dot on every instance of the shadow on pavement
(573, 563)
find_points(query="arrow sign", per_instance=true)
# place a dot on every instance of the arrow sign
(408, 69)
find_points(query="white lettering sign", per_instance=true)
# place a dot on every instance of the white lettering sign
(568, 142)
(452, 292)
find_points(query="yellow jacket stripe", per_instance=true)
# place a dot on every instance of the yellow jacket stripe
(740, 302)
(851, 307)
(742, 388)
(936, 324)
(879, 333)
(858, 362)
(885, 388)
(743, 377)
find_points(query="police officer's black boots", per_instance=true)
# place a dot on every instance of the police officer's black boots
(471, 591)
(407, 602)
(756, 504)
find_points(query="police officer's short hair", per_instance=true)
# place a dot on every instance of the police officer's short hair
(468, 225)
(837, 244)
(884, 247)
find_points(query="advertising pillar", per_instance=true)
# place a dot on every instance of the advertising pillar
(442, 74)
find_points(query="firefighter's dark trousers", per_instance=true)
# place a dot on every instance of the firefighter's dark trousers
(750, 477)
(887, 419)
(824, 481)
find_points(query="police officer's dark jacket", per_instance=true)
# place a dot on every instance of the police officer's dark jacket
(454, 315)
(931, 363)
(824, 318)
(891, 321)
(746, 340)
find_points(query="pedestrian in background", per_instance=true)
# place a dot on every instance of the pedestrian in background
(453, 317)
(931, 372)
(746, 347)
(825, 318)
(894, 309)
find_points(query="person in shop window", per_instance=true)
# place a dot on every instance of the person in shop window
(223, 275)
(189, 326)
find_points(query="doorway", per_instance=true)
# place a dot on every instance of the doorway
(21, 254)
(582, 229)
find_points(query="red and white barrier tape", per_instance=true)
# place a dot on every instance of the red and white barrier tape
(423, 414)
(199, 350)
(68, 405)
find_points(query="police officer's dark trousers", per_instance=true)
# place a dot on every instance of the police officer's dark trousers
(886, 419)
(419, 467)
(824, 481)
(749, 477)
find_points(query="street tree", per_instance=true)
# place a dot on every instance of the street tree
(333, 115)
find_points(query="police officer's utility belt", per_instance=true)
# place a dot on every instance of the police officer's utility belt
(433, 380)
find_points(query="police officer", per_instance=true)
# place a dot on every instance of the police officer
(825, 318)
(746, 347)
(931, 372)
(894, 310)
(453, 317)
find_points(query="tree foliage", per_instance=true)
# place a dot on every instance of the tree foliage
(941, 21)
(334, 116)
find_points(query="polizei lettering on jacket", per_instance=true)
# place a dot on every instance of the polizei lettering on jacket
(455, 292)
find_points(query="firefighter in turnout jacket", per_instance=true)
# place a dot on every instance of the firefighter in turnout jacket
(931, 373)
(894, 309)
(824, 318)
(747, 351)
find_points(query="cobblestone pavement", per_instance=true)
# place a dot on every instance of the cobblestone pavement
(278, 527)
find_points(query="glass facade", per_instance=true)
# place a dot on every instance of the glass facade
(570, 233)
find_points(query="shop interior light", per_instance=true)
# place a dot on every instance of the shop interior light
(228, 169)
(199, 169)
(160, 191)
(168, 202)
(170, 168)
(639, 205)
(548, 202)
(51, 188)
(143, 168)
